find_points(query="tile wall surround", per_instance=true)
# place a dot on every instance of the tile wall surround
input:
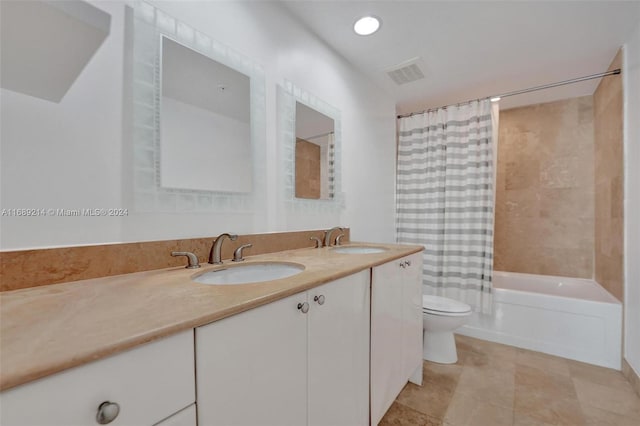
(609, 198)
(32, 268)
(544, 192)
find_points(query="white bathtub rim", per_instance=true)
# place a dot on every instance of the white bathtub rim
(608, 297)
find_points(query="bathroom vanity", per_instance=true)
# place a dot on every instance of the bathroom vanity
(333, 344)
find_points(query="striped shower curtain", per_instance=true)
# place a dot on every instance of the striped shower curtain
(445, 199)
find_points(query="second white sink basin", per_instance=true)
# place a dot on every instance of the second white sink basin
(249, 273)
(359, 250)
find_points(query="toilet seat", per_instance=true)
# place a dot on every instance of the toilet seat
(436, 305)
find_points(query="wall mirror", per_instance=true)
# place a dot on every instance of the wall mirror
(198, 126)
(314, 153)
(309, 131)
(205, 129)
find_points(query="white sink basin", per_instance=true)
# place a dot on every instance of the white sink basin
(358, 250)
(249, 273)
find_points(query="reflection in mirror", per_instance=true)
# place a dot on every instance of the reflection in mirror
(314, 154)
(205, 130)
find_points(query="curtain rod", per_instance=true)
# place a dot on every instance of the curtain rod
(519, 92)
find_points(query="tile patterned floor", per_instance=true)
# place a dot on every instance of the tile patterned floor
(495, 385)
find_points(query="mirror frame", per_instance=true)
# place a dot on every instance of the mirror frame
(288, 95)
(150, 24)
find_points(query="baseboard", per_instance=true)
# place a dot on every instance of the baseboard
(631, 376)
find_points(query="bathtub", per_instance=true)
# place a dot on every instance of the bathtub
(569, 317)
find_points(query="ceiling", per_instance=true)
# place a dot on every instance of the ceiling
(475, 49)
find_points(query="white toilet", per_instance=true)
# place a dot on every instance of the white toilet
(440, 317)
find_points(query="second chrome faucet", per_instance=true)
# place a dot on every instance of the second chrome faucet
(328, 233)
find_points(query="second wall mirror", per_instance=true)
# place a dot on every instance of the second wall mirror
(310, 137)
(315, 134)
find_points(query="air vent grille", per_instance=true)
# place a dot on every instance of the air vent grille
(406, 74)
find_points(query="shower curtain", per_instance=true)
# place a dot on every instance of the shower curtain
(445, 199)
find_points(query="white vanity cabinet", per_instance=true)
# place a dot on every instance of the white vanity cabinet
(185, 417)
(148, 384)
(396, 330)
(302, 360)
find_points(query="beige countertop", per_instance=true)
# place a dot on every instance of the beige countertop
(47, 329)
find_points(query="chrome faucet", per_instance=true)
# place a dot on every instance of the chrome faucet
(327, 235)
(214, 255)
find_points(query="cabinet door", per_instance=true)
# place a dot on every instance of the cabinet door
(339, 352)
(186, 417)
(387, 375)
(412, 316)
(251, 368)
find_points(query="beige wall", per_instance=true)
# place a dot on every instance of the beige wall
(544, 194)
(609, 225)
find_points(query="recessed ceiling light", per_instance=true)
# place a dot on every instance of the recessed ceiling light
(366, 25)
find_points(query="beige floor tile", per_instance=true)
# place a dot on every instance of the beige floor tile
(401, 415)
(542, 361)
(543, 410)
(599, 375)
(496, 386)
(473, 358)
(469, 410)
(439, 381)
(493, 385)
(546, 397)
(446, 372)
(531, 379)
(598, 417)
(623, 402)
(427, 399)
(520, 419)
(480, 353)
(466, 343)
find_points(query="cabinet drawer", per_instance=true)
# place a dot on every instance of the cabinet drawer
(149, 383)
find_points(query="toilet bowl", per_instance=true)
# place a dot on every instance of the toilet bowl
(440, 317)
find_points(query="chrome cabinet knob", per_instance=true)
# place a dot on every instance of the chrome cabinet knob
(402, 265)
(408, 263)
(107, 412)
(304, 307)
(319, 299)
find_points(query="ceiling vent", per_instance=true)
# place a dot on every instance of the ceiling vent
(405, 72)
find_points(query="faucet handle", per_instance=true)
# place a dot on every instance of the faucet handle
(317, 240)
(237, 254)
(192, 258)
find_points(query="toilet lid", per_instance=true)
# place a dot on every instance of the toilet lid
(443, 304)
